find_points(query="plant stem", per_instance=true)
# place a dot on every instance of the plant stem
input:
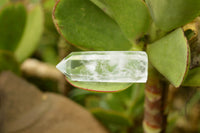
(155, 99)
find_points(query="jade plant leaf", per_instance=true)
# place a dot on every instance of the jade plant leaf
(170, 56)
(111, 117)
(31, 35)
(171, 14)
(101, 4)
(8, 62)
(193, 78)
(132, 16)
(87, 27)
(12, 23)
(100, 86)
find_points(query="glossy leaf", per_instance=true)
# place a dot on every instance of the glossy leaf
(170, 56)
(111, 117)
(12, 23)
(100, 86)
(32, 34)
(171, 14)
(87, 27)
(132, 16)
(8, 62)
(193, 78)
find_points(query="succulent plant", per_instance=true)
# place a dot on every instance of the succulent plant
(161, 28)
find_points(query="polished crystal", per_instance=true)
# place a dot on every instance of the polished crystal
(106, 66)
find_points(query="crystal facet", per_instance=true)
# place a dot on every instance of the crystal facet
(106, 66)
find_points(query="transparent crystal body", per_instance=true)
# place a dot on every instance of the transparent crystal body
(106, 66)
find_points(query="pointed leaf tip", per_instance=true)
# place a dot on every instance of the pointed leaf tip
(170, 56)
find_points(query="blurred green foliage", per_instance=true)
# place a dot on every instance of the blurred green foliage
(20, 30)
(118, 111)
(27, 30)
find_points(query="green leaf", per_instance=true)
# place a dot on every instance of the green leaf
(170, 56)
(100, 86)
(87, 27)
(12, 23)
(131, 15)
(49, 55)
(8, 62)
(48, 4)
(131, 94)
(115, 103)
(171, 14)
(136, 106)
(80, 96)
(111, 117)
(92, 102)
(50, 39)
(101, 4)
(127, 100)
(193, 78)
(80, 92)
(32, 34)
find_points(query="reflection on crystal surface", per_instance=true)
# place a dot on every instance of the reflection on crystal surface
(105, 66)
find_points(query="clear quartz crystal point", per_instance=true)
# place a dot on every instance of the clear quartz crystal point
(106, 66)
